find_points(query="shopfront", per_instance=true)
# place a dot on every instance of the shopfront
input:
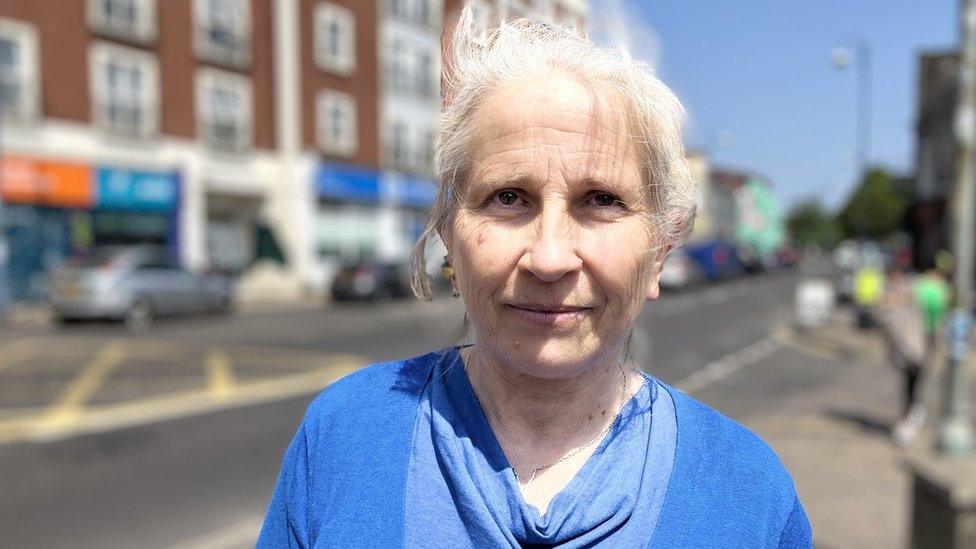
(364, 214)
(51, 209)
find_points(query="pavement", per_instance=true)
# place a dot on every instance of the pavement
(836, 440)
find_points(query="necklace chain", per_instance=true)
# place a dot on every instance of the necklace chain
(585, 445)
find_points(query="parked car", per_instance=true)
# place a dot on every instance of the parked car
(372, 280)
(135, 284)
(679, 271)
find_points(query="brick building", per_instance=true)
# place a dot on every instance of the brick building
(229, 131)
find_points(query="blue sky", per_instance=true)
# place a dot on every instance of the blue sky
(761, 70)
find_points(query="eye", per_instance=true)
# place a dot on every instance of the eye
(507, 197)
(604, 199)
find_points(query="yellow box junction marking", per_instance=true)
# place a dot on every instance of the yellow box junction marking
(72, 401)
(17, 351)
(220, 373)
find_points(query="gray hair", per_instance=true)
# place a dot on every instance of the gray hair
(474, 68)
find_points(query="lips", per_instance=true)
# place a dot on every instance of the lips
(549, 316)
(541, 308)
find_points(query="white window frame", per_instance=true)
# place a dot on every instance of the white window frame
(327, 14)
(144, 30)
(208, 78)
(100, 54)
(348, 142)
(405, 73)
(210, 51)
(413, 12)
(25, 36)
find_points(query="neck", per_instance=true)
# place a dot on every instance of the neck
(536, 419)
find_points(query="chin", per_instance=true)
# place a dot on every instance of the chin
(549, 359)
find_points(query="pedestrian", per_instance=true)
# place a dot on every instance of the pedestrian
(562, 185)
(900, 319)
(868, 290)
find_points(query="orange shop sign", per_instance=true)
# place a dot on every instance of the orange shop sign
(27, 181)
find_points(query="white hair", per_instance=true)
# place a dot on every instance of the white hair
(515, 52)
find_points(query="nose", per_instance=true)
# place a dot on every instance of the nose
(551, 254)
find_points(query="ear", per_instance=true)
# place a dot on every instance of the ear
(653, 289)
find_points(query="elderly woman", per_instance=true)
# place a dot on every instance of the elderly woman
(563, 185)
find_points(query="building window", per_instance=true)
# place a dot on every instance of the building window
(336, 117)
(223, 31)
(422, 13)
(224, 110)
(412, 69)
(125, 97)
(400, 146)
(335, 38)
(127, 19)
(19, 90)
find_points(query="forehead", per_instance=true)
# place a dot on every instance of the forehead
(555, 122)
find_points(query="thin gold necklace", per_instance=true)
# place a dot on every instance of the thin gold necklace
(578, 449)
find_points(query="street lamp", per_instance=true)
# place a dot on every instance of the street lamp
(956, 435)
(840, 58)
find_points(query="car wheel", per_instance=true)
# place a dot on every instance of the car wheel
(139, 316)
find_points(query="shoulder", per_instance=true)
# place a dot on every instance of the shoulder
(727, 483)
(726, 445)
(374, 390)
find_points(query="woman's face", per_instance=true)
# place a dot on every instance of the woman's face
(552, 243)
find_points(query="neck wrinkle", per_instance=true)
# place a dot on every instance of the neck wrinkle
(551, 417)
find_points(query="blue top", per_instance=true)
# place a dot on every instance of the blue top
(344, 480)
(461, 490)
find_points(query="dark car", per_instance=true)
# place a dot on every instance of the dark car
(372, 280)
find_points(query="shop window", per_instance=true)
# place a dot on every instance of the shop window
(124, 89)
(335, 38)
(127, 19)
(336, 117)
(19, 91)
(223, 31)
(224, 111)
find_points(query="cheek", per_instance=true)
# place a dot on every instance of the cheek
(619, 258)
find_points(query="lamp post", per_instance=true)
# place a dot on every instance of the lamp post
(841, 59)
(956, 429)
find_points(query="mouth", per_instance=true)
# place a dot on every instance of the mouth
(549, 315)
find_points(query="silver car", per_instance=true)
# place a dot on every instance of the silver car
(134, 284)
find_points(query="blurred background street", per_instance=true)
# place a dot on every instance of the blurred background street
(207, 211)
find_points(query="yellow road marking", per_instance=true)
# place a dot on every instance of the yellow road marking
(96, 419)
(220, 373)
(72, 400)
(17, 351)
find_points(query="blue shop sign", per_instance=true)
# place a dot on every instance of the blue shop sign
(347, 182)
(122, 189)
(414, 191)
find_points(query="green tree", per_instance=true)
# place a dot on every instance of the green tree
(876, 209)
(811, 225)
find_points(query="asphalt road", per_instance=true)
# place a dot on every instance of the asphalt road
(203, 479)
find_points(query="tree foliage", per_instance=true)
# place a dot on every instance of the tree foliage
(811, 225)
(876, 209)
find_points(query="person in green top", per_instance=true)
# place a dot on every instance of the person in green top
(932, 295)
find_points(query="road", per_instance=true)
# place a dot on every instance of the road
(196, 469)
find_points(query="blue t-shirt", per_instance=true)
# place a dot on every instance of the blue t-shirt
(461, 490)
